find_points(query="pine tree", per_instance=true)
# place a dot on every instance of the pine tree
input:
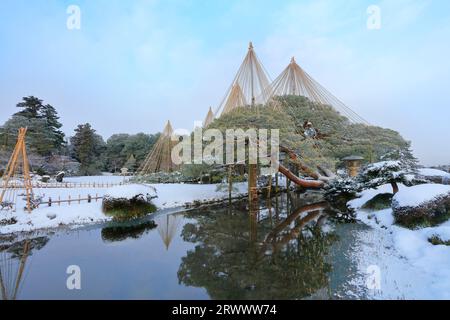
(51, 117)
(87, 148)
(398, 166)
(31, 107)
(39, 138)
(43, 136)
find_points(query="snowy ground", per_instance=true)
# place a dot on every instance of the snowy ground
(75, 214)
(411, 267)
(97, 179)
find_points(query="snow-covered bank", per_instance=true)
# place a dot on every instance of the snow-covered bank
(417, 195)
(130, 191)
(75, 214)
(435, 175)
(177, 195)
(429, 172)
(411, 267)
(97, 179)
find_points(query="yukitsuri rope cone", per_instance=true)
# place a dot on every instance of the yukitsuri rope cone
(209, 118)
(295, 81)
(167, 228)
(159, 159)
(13, 271)
(17, 176)
(247, 88)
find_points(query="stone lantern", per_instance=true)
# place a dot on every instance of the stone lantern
(353, 164)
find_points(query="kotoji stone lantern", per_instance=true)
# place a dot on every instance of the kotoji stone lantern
(353, 164)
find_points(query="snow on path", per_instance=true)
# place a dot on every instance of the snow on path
(411, 267)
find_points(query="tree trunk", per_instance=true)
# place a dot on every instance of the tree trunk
(394, 187)
(304, 168)
(304, 183)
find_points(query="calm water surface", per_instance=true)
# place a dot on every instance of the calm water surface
(288, 248)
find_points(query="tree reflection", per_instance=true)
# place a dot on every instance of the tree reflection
(232, 260)
(13, 264)
(121, 232)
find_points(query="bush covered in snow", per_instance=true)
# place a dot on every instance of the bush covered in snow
(123, 231)
(129, 201)
(343, 186)
(435, 175)
(398, 166)
(427, 204)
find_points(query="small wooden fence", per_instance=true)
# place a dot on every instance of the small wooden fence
(68, 185)
(70, 200)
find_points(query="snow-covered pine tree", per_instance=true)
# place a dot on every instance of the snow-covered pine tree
(343, 186)
(51, 117)
(397, 166)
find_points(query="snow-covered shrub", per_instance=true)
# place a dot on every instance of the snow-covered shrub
(434, 175)
(340, 190)
(130, 201)
(398, 166)
(446, 180)
(436, 240)
(379, 202)
(343, 186)
(426, 204)
(126, 231)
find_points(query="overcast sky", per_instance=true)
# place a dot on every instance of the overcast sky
(135, 64)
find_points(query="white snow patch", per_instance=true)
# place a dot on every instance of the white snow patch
(76, 214)
(174, 195)
(369, 194)
(131, 191)
(417, 195)
(429, 172)
(97, 179)
(411, 267)
(392, 164)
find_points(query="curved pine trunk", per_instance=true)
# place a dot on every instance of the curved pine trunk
(301, 182)
(394, 187)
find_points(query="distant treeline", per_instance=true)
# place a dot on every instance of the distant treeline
(45, 139)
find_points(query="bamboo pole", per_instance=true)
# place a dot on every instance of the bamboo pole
(230, 181)
(23, 261)
(276, 182)
(252, 182)
(26, 173)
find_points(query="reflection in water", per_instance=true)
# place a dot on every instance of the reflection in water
(167, 228)
(13, 265)
(235, 259)
(121, 232)
(228, 252)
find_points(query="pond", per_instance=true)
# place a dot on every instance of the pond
(291, 247)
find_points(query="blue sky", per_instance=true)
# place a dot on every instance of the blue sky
(136, 64)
